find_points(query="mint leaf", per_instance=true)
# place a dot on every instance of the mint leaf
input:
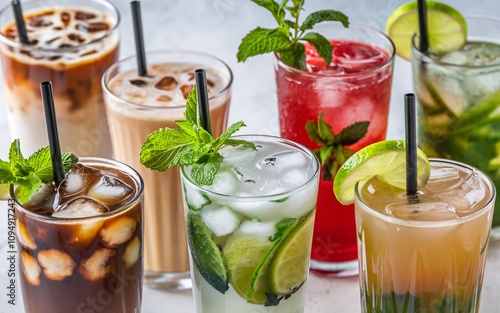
(18, 164)
(321, 44)
(273, 7)
(191, 113)
(325, 130)
(312, 131)
(353, 133)
(204, 173)
(261, 41)
(294, 56)
(41, 163)
(162, 148)
(324, 16)
(228, 133)
(6, 176)
(27, 187)
(282, 227)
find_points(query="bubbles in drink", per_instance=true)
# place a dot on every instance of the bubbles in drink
(80, 207)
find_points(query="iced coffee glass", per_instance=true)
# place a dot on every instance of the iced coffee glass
(86, 254)
(136, 107)
(427, 255)
(72, 43)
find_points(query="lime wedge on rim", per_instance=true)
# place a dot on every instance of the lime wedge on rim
(4, 191)
(290, 265)
(384, 159)
(446, 27)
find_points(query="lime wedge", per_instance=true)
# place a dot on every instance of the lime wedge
(290, 265)
(243, 255)
(4, 191)
(446, 27)
(205, 253)
(384, 159)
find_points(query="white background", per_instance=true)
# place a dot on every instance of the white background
(216, 27)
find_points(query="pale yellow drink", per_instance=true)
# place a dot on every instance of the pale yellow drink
(136, 107)
(426, 255)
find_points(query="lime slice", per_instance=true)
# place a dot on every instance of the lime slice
(4, 191)
(446, 27)
(290, 265)
(243, 255)
(384, 159)
(205, 253)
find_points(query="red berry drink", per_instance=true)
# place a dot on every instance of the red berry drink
(355, 87)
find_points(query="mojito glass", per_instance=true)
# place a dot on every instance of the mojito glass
(250, 232)
(459, 97)
(427, 255)
(80, 245)
(355, 87)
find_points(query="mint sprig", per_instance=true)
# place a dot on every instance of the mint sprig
(189, 144)
(289, 37)
(29, 174)
(332, 152)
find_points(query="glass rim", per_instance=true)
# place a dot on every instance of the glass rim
(288, 142)
(429, 224)
(89, 160)
(428, 59)
(386, 63)
(106, 79)
(19, 45)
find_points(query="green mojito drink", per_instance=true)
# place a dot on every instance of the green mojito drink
(249, 233)
(459, 96)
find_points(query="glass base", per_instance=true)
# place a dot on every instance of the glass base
(169, 281)
(495, 233)
(335, 270)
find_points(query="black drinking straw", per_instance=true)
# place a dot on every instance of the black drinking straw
(422, 23)
(50, 120)
(21, 27)
(202, 95)
(411, 144)
(139, 38)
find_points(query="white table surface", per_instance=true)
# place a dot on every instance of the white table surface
(216, 27)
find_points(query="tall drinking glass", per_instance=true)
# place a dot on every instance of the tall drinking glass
(72, 43)
(136, 107)
(429, 255)
(356, 87)
(80, 246)
(459, 96)
(250, 232)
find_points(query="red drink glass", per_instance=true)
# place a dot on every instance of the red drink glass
(355, 87)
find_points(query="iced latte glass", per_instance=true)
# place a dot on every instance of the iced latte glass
(80, 246)
(72, 43)
(136, 107)
(249, 233)
(427, 255)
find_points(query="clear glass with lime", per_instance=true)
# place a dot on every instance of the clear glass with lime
(457, 82)
(424, 252)
(250, 232)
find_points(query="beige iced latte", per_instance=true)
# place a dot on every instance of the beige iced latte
(137, 106)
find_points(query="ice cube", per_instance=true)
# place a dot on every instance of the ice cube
(80, 207)
(221, 220)
(118, 231)
(132, 252)
(246, 175)
(24, 237)
(424, 210)
(262, 230)
(443, 179)
(166, 83)
(293, 178)
(467, 195)
(83, 16)
(72, 184)
(30, 268)
(44, 193)
(98, 265)
(92, 27)
(56, 265)
(110, 190)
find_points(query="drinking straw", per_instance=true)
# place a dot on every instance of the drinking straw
(202, 95)
(411, 144)
(50, 121)
(422, 23)
(139, 38)
(21, 27)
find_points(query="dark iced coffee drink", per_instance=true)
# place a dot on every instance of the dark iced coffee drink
(137, 106)
(72, 43)
(80, 245)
